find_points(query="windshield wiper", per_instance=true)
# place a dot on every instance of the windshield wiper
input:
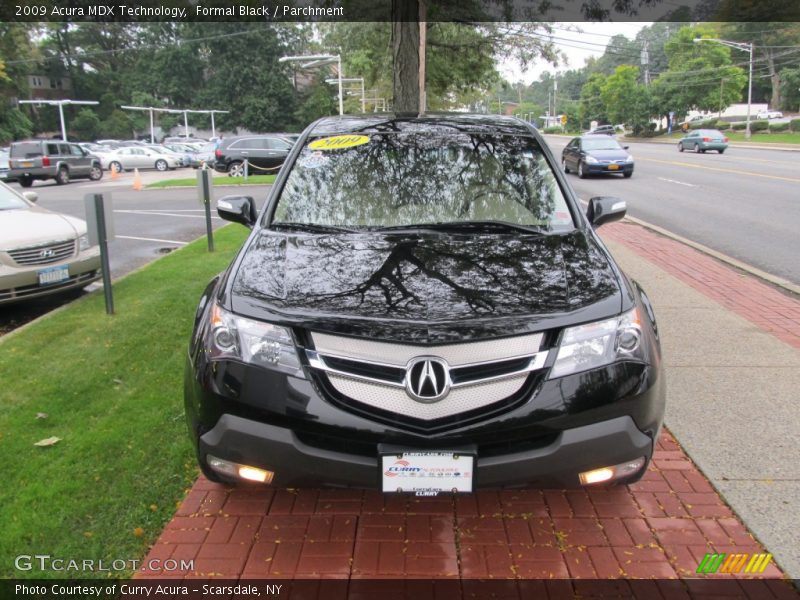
(468, 226)
(310, 227)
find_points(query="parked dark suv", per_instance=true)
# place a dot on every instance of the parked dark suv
(264, 153)
(423, 307)
(47, 159)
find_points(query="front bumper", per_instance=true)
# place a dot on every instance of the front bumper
(295, 463)
(17, 284)
(608, 168)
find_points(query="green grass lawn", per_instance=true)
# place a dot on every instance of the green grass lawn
(112, 390)
(192, 181)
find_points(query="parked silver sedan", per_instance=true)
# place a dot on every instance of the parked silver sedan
(134, 157)
(41, 252)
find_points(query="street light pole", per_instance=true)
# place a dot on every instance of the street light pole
(60, 104)
(318, 60)
(745, 46)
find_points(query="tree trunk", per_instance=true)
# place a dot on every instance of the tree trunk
(775, 80)
(405, 55)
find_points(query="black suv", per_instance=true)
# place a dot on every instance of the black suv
(47, 159)
(264, 153)
(423, 307)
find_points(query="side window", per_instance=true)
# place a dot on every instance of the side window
(76, 151)
(63, 149)
(52, 149)
(279, 144)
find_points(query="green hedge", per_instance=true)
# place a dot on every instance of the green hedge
(779, 126)
(722, 124)
(555, 129)
(707, 124)
(739, 126)
(794, 124)
(759, 126)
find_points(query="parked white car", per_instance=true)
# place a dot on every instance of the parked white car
(769, 114)
(41, 252)
(134, 157)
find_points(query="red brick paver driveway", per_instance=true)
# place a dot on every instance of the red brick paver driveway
(659, 528)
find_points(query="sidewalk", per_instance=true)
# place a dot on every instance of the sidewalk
(732, 352)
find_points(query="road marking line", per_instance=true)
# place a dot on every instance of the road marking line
(678, 182)
(738, 172)
(162, 214)
(143, 239)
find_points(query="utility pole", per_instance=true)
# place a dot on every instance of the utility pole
(646, 64)
(555, 89)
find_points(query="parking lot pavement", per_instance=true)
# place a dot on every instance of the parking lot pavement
(732, 374)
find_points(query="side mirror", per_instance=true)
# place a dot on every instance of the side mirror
(31, 196)
(238, 209)
(605, 209)
(625, 147)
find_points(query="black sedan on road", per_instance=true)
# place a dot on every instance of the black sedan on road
(422, 306)
(596, 154)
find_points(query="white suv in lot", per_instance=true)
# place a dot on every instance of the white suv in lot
(769, 114)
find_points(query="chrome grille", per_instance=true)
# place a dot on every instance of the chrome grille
(374, 374)
(44, 254)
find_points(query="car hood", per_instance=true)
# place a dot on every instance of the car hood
(34, 226)
(608, 154)
(426, 288)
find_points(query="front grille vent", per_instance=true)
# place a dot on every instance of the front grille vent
(44, 254)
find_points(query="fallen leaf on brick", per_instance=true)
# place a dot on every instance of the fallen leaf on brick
(51, 441)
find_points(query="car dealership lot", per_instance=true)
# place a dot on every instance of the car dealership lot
(742, 203)
(148, 223)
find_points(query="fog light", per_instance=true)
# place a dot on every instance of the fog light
(233, 469)
(610, 473)
(253, 474)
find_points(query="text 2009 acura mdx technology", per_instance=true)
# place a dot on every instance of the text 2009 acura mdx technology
(422, 307)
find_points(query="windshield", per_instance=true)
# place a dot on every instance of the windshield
(600, 144)
(413, 179)
(9, 200)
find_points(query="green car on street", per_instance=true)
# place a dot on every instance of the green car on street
(701, 140)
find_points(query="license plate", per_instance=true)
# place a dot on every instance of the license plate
(53, 275)
(427, 473)
(26, 163)
(613, 167)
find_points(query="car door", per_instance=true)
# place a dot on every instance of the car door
(80, 163)
(278, 150)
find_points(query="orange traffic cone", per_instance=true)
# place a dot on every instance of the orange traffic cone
(114, 173)
(137, 180)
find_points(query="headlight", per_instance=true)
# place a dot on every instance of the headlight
(629, 159)
(83, 241)
(598, 344)
(591, 160)
(255, 342)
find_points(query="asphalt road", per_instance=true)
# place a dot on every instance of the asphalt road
(744, 203)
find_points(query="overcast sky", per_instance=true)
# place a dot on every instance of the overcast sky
(576, 45)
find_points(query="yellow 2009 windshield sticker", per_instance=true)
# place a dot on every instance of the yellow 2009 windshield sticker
(338, 141)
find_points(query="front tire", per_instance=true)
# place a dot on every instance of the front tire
(62, 177)
(235, 169)
(96, 173)
(564, 165)
(722, 151)
(581, 172)
(162, 165)
(627, 174)
(680, 147)
(116, 167)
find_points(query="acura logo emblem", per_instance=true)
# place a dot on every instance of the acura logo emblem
(427, 379)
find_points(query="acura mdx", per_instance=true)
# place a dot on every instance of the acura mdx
(422, 306)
